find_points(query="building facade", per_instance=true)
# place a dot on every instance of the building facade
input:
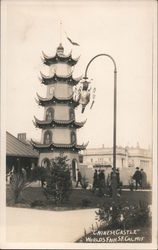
(59, 126)
(127, 159)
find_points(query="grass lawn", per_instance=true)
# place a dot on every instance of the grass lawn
(33, 197)
(79, 198)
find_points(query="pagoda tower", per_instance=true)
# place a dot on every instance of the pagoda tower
(59, 125)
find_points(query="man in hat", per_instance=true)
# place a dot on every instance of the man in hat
(137, 177)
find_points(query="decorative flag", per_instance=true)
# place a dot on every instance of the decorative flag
(83, 108)
(92, 104)
(94, 90)
(73, 43)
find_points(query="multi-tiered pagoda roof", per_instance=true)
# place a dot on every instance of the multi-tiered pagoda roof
(54, 146)
(45, 101)
(49, 60)
(58, 123)
(50, 123)
(57, 78)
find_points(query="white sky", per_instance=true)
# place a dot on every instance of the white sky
(122, 29)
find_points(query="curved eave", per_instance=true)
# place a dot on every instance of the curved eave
(82, 147)
(53, 79)
(47, 101)
(39, 145)
(73, 146)
(51, 146)
(44, 123)
(80, 124)
(42, 99)
(59, 58)
(40, 122)
(53, 98)
(70, 146)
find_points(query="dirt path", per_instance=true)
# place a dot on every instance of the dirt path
(31, 225)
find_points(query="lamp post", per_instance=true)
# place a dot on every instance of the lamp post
(114, 179)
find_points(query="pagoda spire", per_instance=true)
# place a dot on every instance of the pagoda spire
(60, 32)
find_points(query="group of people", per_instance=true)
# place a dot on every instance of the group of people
(140, 178)
(100, 184)
(10, 175)
(99, 181)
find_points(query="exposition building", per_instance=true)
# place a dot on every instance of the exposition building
(127, 159)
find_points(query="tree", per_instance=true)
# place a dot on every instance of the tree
(18, 183)
(58, 180)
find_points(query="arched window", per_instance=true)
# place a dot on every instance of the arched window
(72, 114)
(73, 137)
(47, 137)
(45, 163)
(49, 114)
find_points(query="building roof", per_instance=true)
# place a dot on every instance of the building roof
(130, 151)
(57, 58)
(53, 79)
(71, 146)
(59, 123)
(52, 100)
(15, 147)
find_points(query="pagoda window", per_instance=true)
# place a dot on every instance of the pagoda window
(72, 114)
(73, 137)
(49, 114)
(47, 137)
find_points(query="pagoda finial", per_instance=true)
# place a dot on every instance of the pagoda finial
(60, 32)
(60, 49)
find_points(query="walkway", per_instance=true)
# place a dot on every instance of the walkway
(31, 225)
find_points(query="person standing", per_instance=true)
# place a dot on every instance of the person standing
(137, 177)
(79, 178)
(95, 180)
(42, 176)
(144, 179)
(118, 177)
(10, 175)
(101, 182)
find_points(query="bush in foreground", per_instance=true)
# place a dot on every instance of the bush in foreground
(124, 215)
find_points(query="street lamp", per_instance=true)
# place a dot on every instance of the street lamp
(114, 179)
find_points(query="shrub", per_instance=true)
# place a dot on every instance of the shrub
(124, 216)
(38, 203)
(85, 202)
(17, 185)
(35, 174)
(84, 182)
(58, 180)
(19, 182)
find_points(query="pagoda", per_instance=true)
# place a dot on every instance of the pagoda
(59, 126)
